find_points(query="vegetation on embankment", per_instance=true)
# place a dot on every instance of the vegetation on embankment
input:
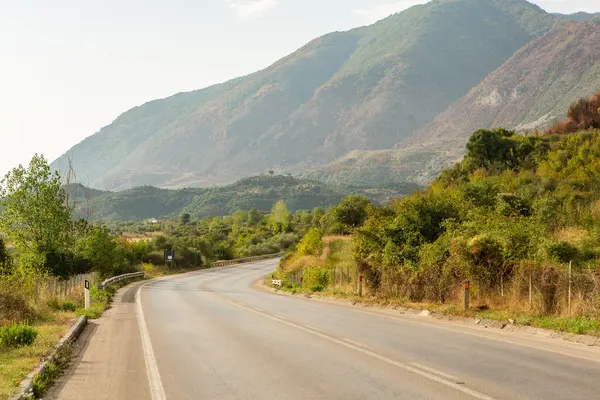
(509, 218)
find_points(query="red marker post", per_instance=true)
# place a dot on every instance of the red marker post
(301, 279)
(467, 287)
(360, 286)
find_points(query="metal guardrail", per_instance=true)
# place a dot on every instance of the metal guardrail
(246, 260)
(115, 279)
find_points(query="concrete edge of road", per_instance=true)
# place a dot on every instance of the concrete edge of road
(587, 340)
(25, 389)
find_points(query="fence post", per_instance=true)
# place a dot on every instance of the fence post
(334, 282)
(360, 284)
(530, 292)
(467, 287)
(570, 267)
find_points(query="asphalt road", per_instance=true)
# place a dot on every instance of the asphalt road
(212, 335)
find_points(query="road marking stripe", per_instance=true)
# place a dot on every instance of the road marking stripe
(409, 319)
(404, 366)
(156, 388)
(352, 342)
(435, 371)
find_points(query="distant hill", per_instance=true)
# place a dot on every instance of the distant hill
(580, 16)
(260, 192)
(366, 89)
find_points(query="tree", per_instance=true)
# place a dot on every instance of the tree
(240, 217)
(185, 218)
(33, 213)
(271, 172)
(352, 211)
(254, 217)
(317, 215)
(4, 257)
(102, 251)
(279, 216)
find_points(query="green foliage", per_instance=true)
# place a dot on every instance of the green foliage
(68, 306)
(102, 251)
(317, 278)
(279, 217)
(17, 335)
(5, 258)
(33, 212)
(51, 372)
(563, 252)
(352, 211)
(513, 201)
(311, 243)
(184, 219)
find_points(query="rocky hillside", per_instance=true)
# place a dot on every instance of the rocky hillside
(531, 90)
(366, 89)
(534, 87)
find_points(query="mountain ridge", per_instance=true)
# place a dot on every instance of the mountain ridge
(260, 192)
(363, 89)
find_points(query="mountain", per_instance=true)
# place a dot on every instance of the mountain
(580, 16)
(534, 87)
(365, 89)
(260, 192)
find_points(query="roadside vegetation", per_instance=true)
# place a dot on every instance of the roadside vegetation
(44, 250)
(510, 218)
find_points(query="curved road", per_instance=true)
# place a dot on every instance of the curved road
(211, 335)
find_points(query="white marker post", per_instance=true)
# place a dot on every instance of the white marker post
(86, 293)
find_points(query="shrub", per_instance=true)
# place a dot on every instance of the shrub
(68, 306)
(53, 304)
(17, 335)
(312, 243)
(562, 252)
(316, 277)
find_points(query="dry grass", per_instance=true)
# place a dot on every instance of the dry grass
(141, 236)
(571, 235)
(16, 364)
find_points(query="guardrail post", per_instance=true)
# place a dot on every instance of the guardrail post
(86, 294)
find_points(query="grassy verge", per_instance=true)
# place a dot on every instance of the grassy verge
(576, 325)
(17, 363)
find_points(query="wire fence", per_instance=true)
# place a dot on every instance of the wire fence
(65, 288)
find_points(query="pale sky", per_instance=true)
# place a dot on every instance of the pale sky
(70, 67)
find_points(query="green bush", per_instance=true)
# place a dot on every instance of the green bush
(53, 304)
(312, 243)
(316, 277)
(68, 306)
(562, 252)
(17, 335)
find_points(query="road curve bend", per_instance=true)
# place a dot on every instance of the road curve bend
(214, 336)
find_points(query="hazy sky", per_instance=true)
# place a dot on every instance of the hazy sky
(69, 67)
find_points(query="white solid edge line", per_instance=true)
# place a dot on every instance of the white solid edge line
(156, 388)
(435, 371)
(407, 367)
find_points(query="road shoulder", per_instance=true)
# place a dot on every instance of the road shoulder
(581, 346)
(109, 360)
